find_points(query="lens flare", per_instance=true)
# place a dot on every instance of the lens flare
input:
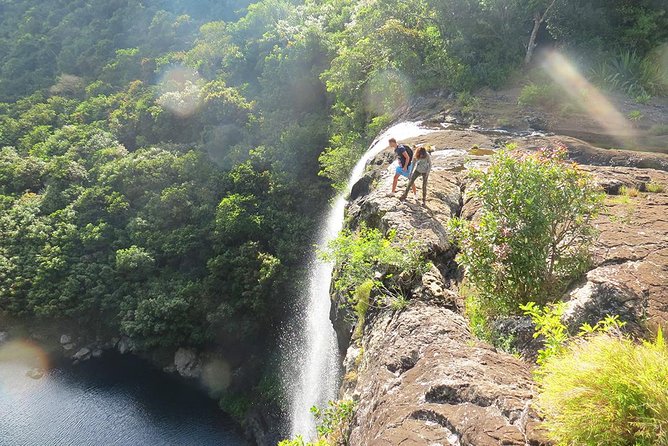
(660, 59)
(19, 360)
(217, 376)
(386, 91)
(589, 98)
(180, 91)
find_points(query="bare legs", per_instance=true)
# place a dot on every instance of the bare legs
(394, 184)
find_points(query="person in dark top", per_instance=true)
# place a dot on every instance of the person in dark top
(404, 157)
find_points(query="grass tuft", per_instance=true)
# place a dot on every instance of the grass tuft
(607, 391)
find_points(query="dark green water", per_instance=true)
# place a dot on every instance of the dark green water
(115, 400)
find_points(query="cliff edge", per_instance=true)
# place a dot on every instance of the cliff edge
(419, 375)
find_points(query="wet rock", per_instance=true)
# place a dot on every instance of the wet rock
(35, 373)
(187, 363)
(343, 321)
(537, 123)
(82, 354)
(362, 186)
(97, 353)
(124, 345)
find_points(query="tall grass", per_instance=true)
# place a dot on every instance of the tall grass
(630, 73)
(607, 391)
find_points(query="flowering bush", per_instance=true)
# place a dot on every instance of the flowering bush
(532, 234)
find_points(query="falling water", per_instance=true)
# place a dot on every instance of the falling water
(317, 355)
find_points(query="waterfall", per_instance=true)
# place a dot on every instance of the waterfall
(316, 354)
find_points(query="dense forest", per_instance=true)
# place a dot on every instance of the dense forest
(164, 162)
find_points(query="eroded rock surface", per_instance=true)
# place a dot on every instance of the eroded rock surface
(629, 276)
(423, 380)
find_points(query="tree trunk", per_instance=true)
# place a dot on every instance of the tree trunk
(537, 21)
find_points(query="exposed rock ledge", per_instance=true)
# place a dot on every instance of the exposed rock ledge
(420, 376)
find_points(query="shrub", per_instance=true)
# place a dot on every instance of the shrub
(299, 441)
(630, 73)
(369, 260)
(655, 188)
(635, 115)
(333, 425)
(607, 391)
(629, 191)
(467, 102)
(334, 421)
(533, 231)
(555, 334)
(539, 95)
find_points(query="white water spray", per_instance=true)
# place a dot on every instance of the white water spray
(319, 363)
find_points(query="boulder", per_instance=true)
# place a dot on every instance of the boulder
(82, 354)
(4, 337)
(124, 345)
(35, 373)
(187, 363)
(424, 380)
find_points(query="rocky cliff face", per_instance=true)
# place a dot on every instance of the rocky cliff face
(420, 376)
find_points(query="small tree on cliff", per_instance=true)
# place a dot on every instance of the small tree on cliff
(533, 231)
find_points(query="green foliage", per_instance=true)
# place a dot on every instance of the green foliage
(548, 325)
(367, 261)
(299, 441)
(629, 191)
(555, 336)
(125, 212)
(467, 102)
(477, 314)
(236, 405)
(635, 115)
(544, 95)
(333, 421)
(631, 73)
(533, 232)
(654, 187)
(607, 390)
(361, 254)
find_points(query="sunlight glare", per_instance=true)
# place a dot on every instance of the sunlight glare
(180, 91)
(386, 91)
(589, 98)
(19, 359)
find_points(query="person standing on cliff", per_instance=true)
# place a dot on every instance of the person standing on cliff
(404, 156)
(421, 166)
